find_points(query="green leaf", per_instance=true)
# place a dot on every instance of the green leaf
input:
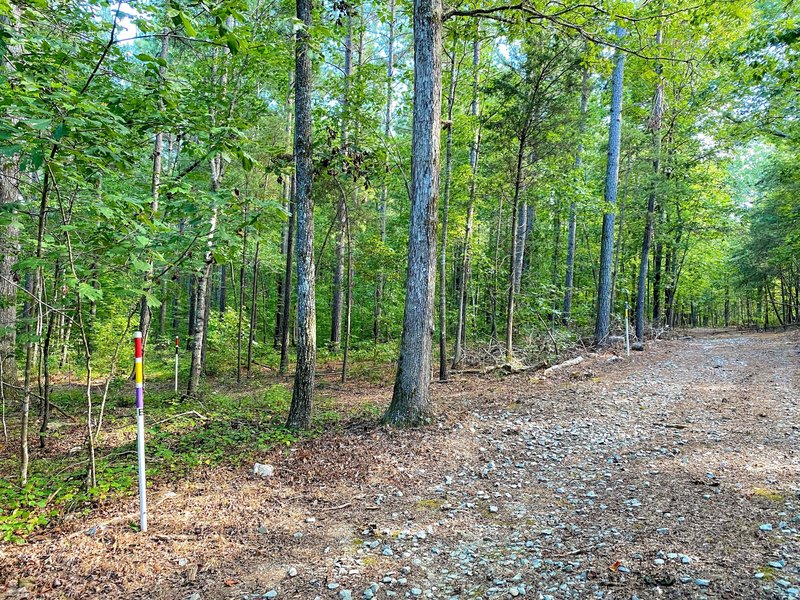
(233, 43)
(187, 24)
(247, 161)
(39, 124)
(37, 158)
(88, 292)
(60, 131)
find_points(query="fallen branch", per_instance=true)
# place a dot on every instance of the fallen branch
(345, 505)
(672, 425)
(567, 363)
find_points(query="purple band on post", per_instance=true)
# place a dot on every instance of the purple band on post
(139, 397)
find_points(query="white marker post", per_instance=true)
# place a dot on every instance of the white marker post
(627, 333)
(139, 370)
(176, 364)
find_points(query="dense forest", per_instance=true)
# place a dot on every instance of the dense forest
(401, 185)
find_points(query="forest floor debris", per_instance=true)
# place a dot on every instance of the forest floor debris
(655, 477)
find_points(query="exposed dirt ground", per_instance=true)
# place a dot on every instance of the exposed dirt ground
(672, 474)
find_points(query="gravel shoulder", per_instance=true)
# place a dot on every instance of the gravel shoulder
(672, 474)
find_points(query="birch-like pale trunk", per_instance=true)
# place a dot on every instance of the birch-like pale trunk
(411, 397)
(303, 392)
(603, 320)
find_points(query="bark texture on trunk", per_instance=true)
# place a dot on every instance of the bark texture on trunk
(411, 398)
(303, 392)
(603, 320)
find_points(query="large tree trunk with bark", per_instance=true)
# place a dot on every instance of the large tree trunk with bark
(303, 392)
(411, 398)
(603, 320)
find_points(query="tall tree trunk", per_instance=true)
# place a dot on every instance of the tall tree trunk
(203, 308)
(514, 264)
(603, 321)
(223, 289)
(658, 258)
(727, 314)
(162, 310)
(655, 127)
(387, 132)
(303, 392)
(569, 278)
(239, 331)
(496, 273)
(201, 304)
(253, 311)
(554, 279)
(286, 302)
(192, 316)
(411, 397)
(51, 326)
(448, 164)
(348, 300)
(620, 241)
(338, 272)
(474, 150)
(33, 329)
(286, 235)
(522, 231)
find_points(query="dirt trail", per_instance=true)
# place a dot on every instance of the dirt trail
(674, 474)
